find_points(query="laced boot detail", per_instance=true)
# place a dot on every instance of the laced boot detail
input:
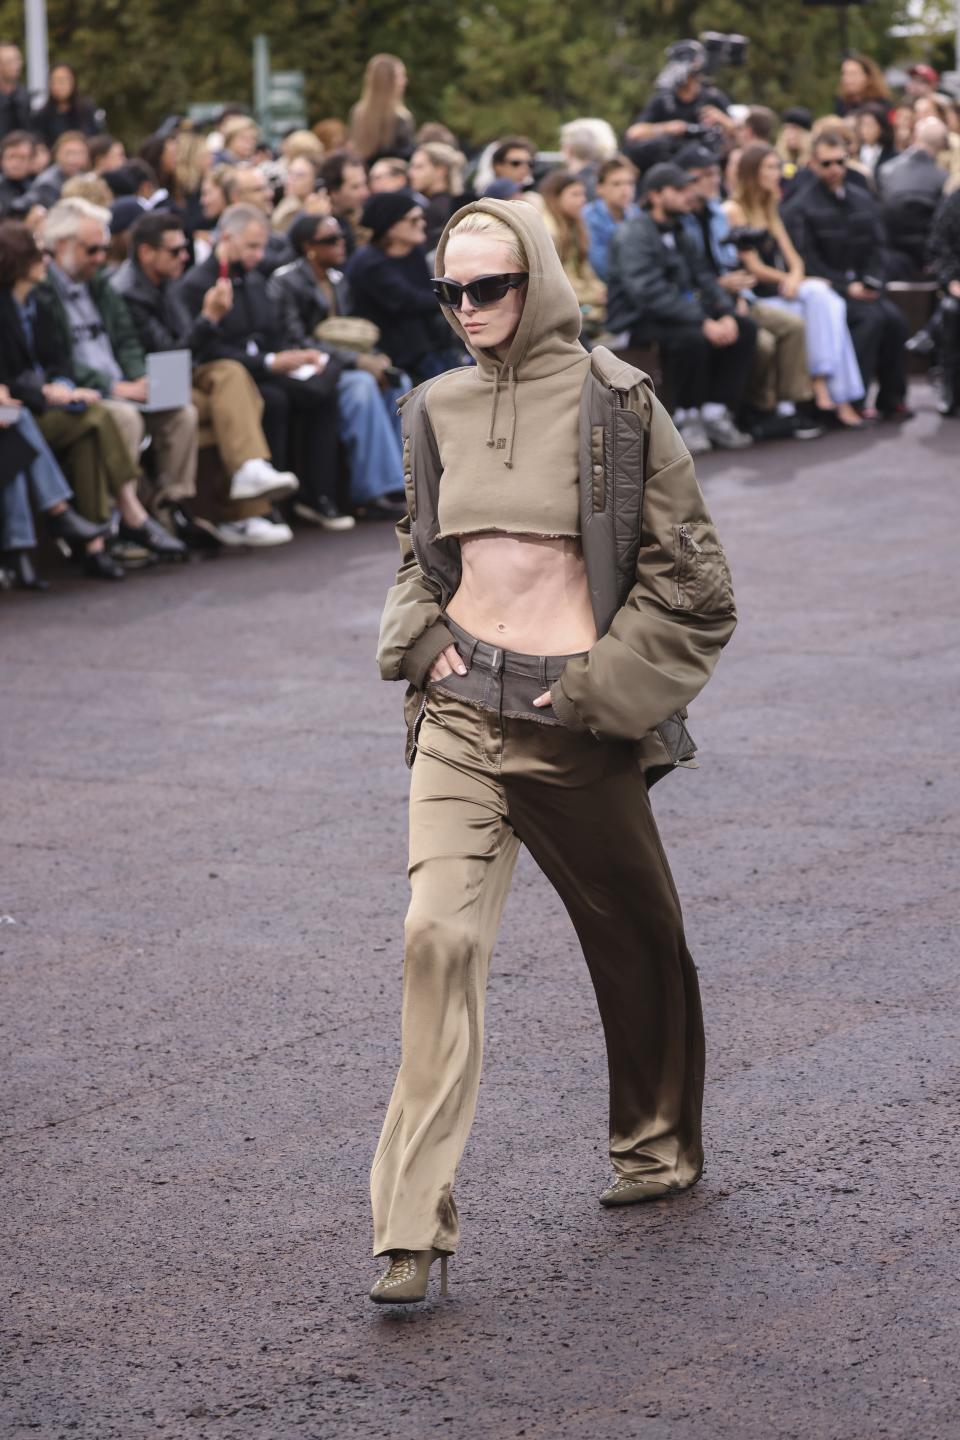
(404, 1282)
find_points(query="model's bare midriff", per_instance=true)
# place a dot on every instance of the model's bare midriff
(526, 593)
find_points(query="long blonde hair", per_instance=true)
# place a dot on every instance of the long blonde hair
(373, 120)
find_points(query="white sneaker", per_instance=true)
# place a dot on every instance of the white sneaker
(722, 432)
(257, 531)
(257, 479)
(694, 436)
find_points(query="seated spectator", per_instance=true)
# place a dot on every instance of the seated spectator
(838, 233)
(247, 185)
(585, 145)
(302, 142)
(159, 151)
(241, 136)
(875, 136)
(386, 174)
(299, 414)
(124, 214)
(436, 173)
(78, 427)
(103, 353)
(192, 161)
(391, 286)
(71, 156)
(346, 182)
(662, 292)
(861, 81)
(300, 195)
(683, 102)
(305, 293)
(106, 153)
(903, 120)
(16, 154)
(213, 202)
(512, 159)
(779, 378)
(30, 478)
(433, 133)
(779, 281)
(793, 142)
(910, 189)
(564, 198)
(66, 110)
(615, 203)
(135, 177)
(15, 113)
(88, 186)
(332, 134)
(758, 127)
(224, 394)
(944, 253)
(935, 107)
(380, 123)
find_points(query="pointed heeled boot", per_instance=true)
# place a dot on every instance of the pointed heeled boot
(405, 1282)
(633, 1191)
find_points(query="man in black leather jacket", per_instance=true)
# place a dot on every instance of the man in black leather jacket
(662, 291)
(839, 234)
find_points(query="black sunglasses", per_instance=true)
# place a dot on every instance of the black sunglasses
(484, 290)
(96, 249)
(829, 164)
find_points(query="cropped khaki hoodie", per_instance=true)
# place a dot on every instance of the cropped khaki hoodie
(657, 576)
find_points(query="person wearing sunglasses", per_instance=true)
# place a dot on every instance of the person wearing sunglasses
(562, 597)
(838, 231)
(226, 399)
(390, 284)
(104, 354)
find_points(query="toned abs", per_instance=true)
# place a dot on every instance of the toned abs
(526, 593)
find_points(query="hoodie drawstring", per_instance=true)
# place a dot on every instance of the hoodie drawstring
(512, 392)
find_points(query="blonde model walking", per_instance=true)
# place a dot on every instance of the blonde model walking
(562, 596)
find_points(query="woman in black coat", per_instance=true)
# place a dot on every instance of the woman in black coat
(65, 109)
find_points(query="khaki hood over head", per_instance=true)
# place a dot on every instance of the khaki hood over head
(546, 346)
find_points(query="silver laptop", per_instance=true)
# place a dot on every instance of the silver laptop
(168, 376)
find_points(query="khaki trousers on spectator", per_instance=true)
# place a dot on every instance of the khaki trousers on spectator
(94, 455)
(780, 360)
(483, 783)
(227, 400)
(174, 436)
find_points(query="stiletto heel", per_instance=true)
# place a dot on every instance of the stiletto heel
(405, 1280)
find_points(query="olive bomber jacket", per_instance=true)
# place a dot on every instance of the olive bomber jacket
(658, 578)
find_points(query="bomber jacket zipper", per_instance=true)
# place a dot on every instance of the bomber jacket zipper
(685, 539)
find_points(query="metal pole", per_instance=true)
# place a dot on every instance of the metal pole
(37, 57)
(956, 43)
(261, 80)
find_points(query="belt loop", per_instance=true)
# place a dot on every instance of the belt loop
(473, 650)
(543, 672)
(497, 662)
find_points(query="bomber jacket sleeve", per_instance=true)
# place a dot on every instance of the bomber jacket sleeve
(412, 632)
(664, 641)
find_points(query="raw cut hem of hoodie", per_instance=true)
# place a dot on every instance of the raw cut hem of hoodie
(508, 530)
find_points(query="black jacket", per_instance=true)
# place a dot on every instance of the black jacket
(18, 360)
(394, 292)
(160, 324)
(839, 237)
(252, 319)
(658, 280)
(51, 123)
(15, 111)
(301, 305)
(944, 245)
(14, 196)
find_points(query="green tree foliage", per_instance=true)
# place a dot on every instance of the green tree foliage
(485, 67)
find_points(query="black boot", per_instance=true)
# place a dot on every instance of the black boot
(23, 572)
(100, 565)
(152, 536)
(70, 526)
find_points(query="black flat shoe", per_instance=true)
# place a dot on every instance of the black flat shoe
(102, 566)
(201, 535)
(72, 528)
(23, 572)
(152, 536)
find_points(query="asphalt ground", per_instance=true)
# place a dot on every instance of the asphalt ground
(202, 887)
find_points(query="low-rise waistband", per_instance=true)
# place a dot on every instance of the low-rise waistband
(483, 656)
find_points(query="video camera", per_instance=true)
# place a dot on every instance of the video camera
(696, 57)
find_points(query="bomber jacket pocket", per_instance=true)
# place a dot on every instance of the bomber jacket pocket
(701, 575)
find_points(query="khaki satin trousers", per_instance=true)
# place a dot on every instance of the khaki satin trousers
(483, 783)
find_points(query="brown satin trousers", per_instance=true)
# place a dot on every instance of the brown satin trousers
(492, 774)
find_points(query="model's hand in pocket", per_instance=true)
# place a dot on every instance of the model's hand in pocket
(448, 662)
(545, 699)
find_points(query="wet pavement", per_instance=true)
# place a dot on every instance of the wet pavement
(201, 894)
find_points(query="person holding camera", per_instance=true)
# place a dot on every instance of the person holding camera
(838, 233)
(663, 292)
(684, 107)
(779, 280)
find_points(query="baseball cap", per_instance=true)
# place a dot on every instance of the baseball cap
(696, 157)
(658, 177)
(926, 73)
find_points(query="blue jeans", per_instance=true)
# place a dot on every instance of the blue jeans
(44, 482)
(371, 437)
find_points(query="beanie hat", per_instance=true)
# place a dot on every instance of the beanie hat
(502, 189)
(385, 209)
(123, 213)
